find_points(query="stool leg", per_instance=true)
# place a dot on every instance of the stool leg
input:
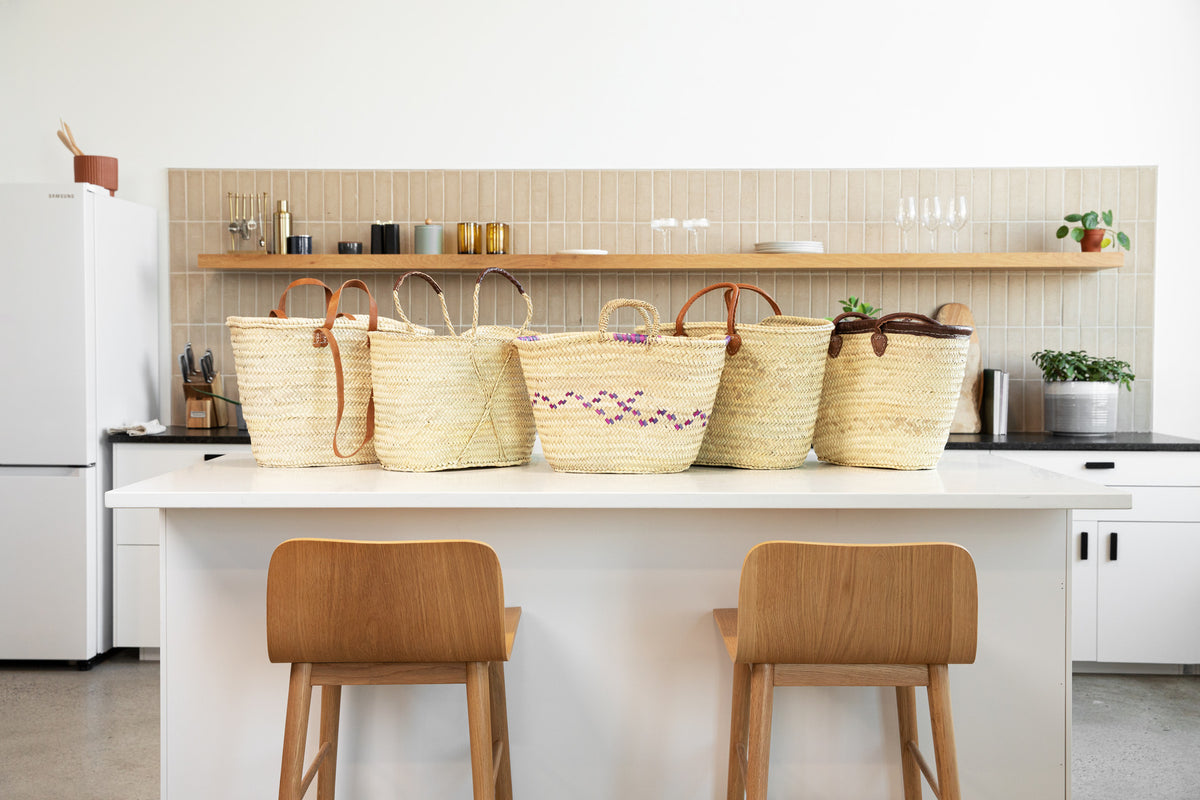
(480, 724)
(906, 707)
(943, 731)
(762, 692)
(739, 720)
(295, 730)
(331, 707)
(500, 729)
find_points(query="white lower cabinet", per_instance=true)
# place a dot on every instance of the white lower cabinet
(1135, 581)
(135, 535)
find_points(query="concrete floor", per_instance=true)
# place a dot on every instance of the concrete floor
(94, 735)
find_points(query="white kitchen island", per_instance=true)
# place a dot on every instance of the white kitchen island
(619, 686)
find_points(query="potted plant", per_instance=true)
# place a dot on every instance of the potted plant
(1080, 391)
(1091, 236)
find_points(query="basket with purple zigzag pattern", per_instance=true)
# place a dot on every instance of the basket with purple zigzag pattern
(621, 402)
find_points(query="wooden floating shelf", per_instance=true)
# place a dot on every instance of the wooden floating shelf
(681, 263)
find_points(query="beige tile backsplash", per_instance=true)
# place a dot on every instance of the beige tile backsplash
(1017, 313)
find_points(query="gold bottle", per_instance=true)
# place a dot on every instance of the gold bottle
(283, 227)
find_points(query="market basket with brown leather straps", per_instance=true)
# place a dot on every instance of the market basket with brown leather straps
(305, 383)
(447, 402)
(891, 387)
(770, 389)
(621, 402)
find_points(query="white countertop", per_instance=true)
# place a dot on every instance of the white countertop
(962, 480)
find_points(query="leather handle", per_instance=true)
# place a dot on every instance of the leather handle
(649, 314)
(520, 289)
(732, 292)
(324, 336)
(280, 312)
(752, 288)
(437, 289)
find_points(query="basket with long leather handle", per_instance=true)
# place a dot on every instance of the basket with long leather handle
(891, 387)
(447, 402)
(766, 405)
(622, 402)
(305, 382)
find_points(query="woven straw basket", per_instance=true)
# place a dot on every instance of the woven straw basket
(766, 407)
(445, 402)
(305, 383)
(621, 402)
(891, 387)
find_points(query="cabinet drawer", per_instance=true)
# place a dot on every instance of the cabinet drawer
(1116, 468)
(1151, 504)
(137, 462)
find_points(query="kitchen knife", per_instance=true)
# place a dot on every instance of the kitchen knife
(191, 359)
(183, 367)
(206, 368)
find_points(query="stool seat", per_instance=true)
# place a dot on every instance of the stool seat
(366, 613)
(849, 615)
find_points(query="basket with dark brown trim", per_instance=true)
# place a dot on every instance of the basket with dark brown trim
(891, 387)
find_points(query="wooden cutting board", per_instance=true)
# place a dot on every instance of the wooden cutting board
(966, 416)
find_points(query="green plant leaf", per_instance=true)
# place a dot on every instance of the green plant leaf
(1105, 242)
(1123, 239)
(1108, 218)
(1077, 234)
(1073, 217)
(1091, 220)
(1061, 233)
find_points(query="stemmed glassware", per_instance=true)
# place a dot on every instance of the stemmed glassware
(956, 216)
(662, 233)
(906, 218)
(931, 217)
(692, 228)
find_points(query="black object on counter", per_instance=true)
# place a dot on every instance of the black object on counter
(377, 238)
(350, 248)
(391, 238)
(299, 245)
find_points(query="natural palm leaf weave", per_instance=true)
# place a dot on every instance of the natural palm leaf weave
(289, 370)
(446, 402)
(766, 406)
(621, 402)
(891, 387)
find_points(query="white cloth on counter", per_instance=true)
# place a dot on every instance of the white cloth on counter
(140, 428)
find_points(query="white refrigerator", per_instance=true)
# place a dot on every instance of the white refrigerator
(79, 287)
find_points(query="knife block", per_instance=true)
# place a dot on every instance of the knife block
(201, 410)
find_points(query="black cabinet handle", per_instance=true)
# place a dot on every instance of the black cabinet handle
(1112, 546)
(1083, 547)
(1099, 465)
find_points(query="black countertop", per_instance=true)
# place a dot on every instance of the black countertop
(958, 441)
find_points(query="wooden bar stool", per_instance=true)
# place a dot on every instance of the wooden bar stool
(347, 613)
(849, 615)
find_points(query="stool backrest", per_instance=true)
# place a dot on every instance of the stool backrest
(805, 603)
(342, 601)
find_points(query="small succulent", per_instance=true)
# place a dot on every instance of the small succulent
(1090, 221)
(854, 304)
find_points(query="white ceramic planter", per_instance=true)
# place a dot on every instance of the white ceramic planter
(1080, 408)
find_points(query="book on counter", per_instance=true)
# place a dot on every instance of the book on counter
(993, 412)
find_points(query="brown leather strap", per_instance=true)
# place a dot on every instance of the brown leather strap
(279, 312)
(324, 335)
(900, 322)
(731, 300)
(751, 287)
(520, 289)
(436, 290)
(400, 281)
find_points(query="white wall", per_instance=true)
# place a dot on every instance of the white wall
(623, 84)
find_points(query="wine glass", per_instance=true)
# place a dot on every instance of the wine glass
(931, 217)
(956, 216)
(662, 233)
(906, 218)
(692, 228)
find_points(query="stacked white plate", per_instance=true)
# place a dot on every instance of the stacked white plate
(789, 247)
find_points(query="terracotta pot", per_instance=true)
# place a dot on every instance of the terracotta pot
(1092, 239)
(100, 170)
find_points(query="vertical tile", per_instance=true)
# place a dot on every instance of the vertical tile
(626, 196)
(697, 197)
(1090, 189)
(1072, 195)
(679, 195)
(784, 182)
(194, 190)
(418, 196)
(401, 209)
(503, 210)
(999, 200)
(382, 211)
(838, 195)
(802, 189)
(714, 195)
(452, 198)
(468, 194)
(435, 195)
(591, 196)
(1147, 193)
(212, 195)
(349, 198)
(176, 194)
(1127, 190)
(873, 207)
(732, 197)
(1018, 202)
(607, 207)
(820, 195)
(1055, 185)
(522, 187)
(748, 203)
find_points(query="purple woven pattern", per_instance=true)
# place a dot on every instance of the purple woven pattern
(612, 409)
